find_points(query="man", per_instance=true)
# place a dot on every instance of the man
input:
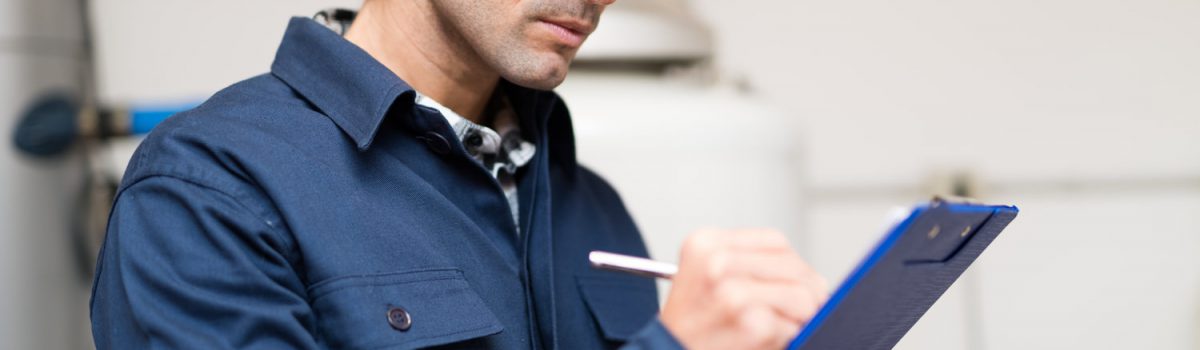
(412, 183)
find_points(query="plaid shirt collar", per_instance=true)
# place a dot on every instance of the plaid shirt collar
(501, 149)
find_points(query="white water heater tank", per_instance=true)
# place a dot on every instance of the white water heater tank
(685, 149)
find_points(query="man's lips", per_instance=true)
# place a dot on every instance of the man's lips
(569, 31)
(575, 25)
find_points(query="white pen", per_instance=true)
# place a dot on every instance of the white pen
(632, 264)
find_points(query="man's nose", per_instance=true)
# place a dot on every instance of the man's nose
(602, 2)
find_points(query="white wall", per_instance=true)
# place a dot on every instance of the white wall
(1084, 113)
(186, 50)
(1071, 82)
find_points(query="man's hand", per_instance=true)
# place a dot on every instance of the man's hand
(744, 289)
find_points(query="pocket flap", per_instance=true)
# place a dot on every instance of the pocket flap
(621, 305)
(409, 309)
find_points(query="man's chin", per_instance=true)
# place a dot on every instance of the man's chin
(541, 84)
(543, 77)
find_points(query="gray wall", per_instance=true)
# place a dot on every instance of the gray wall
(43, 296)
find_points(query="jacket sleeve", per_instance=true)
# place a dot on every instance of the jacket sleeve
(654, 336)
(187, 266)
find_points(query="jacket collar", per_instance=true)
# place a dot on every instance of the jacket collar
(357, 92)
(339, 78)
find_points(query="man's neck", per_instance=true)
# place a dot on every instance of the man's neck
(426, 53)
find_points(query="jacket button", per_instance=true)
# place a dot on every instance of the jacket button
(474, 140)
(436, 142)
(399, 318)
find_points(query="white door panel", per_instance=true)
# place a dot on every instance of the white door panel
(1096, 271)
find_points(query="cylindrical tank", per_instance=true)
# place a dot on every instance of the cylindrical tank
(685, 149)
(686, 155)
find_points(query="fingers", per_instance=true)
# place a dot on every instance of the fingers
(741, 289)
(776, 312)
(780, 267)
(793, 302)
(785, 331)
(763, 329)
(763, 254)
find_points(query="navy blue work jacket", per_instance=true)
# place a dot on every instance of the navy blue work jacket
(318, 207)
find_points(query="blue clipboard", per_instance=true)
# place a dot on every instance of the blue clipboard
(904, 275)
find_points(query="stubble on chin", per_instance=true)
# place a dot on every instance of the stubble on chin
(515, 50)
(527, 62)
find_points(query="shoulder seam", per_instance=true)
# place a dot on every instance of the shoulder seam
(274, 229)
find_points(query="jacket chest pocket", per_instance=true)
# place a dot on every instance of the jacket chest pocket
(403, 310)
(620, 305)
